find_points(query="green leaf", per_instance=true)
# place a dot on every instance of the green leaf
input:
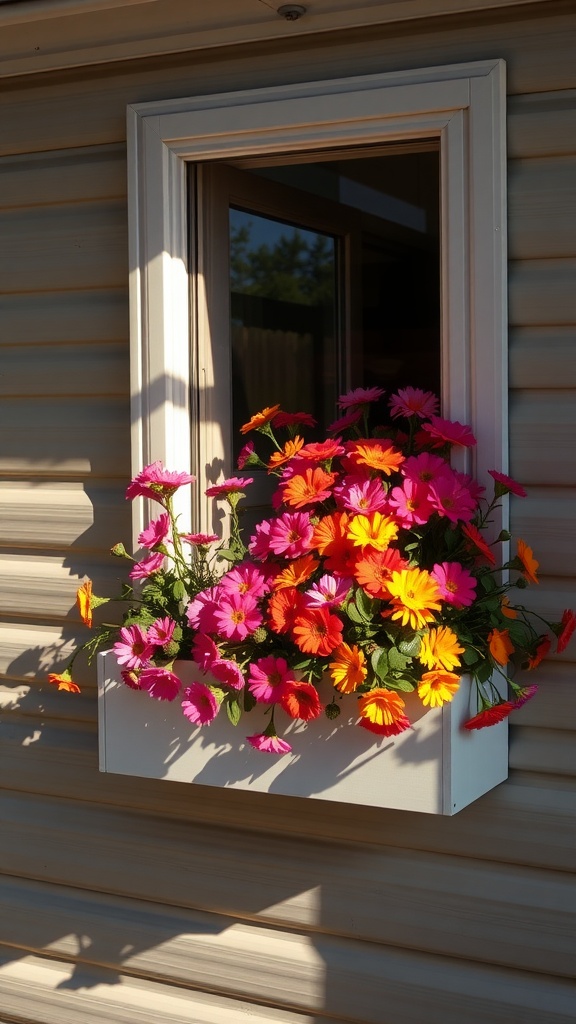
(484, 671)
(399, 683)
(354, 615)
(179, 591)
(249, 700)
(366, 605)
(398, 661)
(225, 555)
(234, 711)
(411, 647)
(379, 661)
(470, 656)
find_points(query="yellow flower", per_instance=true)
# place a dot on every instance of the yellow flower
(84, 602)
(440, 649)
(415, 597)
(381, 707)
(374, 531)
(348, 670)
(436, 688)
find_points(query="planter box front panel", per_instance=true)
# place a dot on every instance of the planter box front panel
(434, 767)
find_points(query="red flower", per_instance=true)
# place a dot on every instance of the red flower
(300, 700)
(478, 541)
(568, 625)
(490, 715)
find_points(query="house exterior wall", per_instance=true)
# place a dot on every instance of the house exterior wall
(134, 900)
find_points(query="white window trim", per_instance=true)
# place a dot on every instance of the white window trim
(463, 105)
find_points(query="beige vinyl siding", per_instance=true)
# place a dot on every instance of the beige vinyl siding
(134, 900)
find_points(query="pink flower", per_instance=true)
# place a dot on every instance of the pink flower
(246, 453)
(205, 651)
(237, 615)
(228, 672)
(141, 570)
(506, 484)
(328, 591)
(449, 432)
(157, 483)
(361, 494)
(522, 694)
(201, 611)
(448, 497)
(229, 486)
(359, 396)
(259, 544)
(244, 579)
(131, 678)
(293, 419)
(265, 678)
(200, 540)
(133, 649)
(199, 705)
(156, 532)
(424, 468)
(160, 683)
(161, 631)
(413, 402)
(346, 421)
(269, 744)
(319, 451)
(410, 503)
(291, 534)
(457, 586)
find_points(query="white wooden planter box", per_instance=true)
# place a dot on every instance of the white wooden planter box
(435, 767)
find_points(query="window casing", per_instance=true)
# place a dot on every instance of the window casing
(175, 406)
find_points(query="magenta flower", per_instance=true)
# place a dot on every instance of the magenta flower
(131, 678)
(361, 494)
(228, 672)
(156, 532)
(346, 421)
(449, 432)
(424, 468)
(161, 631)
(457, 586)
(157, 483)
(246, 453)
(244, 579)
(269, 744)
(199, 705)
(229, 486)
(200, 540)
(141, 570)
(413, 402)
(410, 503)
(237, 615)
(452, 500)
(133, 649)
(160, 683)
(359, 396)
(205, 651)
(259, 544)
(266, 676)
(328, 591)
(201, 611)
(507, 484)
(293, 419)
(522, 694)
(291, 534)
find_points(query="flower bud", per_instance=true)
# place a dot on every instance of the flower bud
(332, 711)
(260, 635)
(119, 551)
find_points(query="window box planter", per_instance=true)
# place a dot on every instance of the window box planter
(435, 767)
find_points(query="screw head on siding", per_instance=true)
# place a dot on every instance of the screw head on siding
(291, 12)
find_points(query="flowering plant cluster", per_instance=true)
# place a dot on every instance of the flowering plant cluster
(375, 568)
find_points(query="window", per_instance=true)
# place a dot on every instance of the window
(300, 167)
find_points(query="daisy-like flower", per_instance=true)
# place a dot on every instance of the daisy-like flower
(247, 455)
(160, 683)
(361, 494)
(522, 694)
(259, 543)
(508, 611)
(266, 677)
(437, 688)
(205, 651)
(300, 700)
(130, 678)
(477, 540)
(234, 484)
(374, 531)
(199, 540)
(375, 568)
(296, 572)
(161, 631)
(293, 419)
(133, 649)
(291, 534)
(424, 468)
(320, 451)
(156, 482)
(343, 422)
(244, 579)
(567, 627)
(506, 485)
(413, 402)
(449, 432)
(348, 669)
(330, 533)
(229, 673)
(490, 715)
(529, 563)
(376, 454)
(415, 597)
(199, 705)
(156, 532)
(382, 711)
(316, 631)
(84, 602)
(260, 419)
(541, 651)
(411, 503)
(290, 449)
(283, 608)
(308, 487)
(328, 591)
(451, 500)
(501, 646)
(201, 612)
(457, 586)
(237, 616)
(440, 649)
(147, 566)
(359, 396)
(269, 744)
(63, 680)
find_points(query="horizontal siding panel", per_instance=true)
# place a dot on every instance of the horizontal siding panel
(46, 178)
(60, 370)
(38, 703)
(51, 248)
(56, 318)
(543, 750)
(44, 515)
(542, 292)
(542, 124)
(546, 520)
(554, 706)
(44, 587)
(80, 437)
(543, 437)
(542, 357)
(25, 649)
(542, 208)
(549, 599)
(74, 109)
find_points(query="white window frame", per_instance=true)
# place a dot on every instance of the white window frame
(462, 105)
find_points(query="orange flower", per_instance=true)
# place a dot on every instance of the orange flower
(375, 568)
(542, 649)
(300, 700)
(381, 707)
(296, 572)
(415, 597)
(348, 669)
(436, 688)
(64, 681)
(290, 449)
(283, 607)
(378, 454)
(307, 488)
(330, 533)
(260, 418)
(440, 649)
(529, 563)
(84, 602)
(501, 646)
(316, 631)
(507, 610)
